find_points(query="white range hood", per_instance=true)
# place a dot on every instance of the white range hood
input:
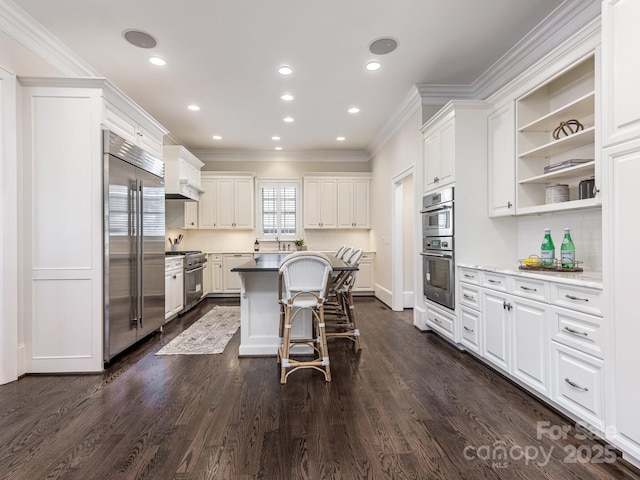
(181, 174)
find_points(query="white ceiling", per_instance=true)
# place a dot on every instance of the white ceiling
(223, 56)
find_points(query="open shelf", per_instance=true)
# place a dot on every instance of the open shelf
(570, 172)
(559, 207)
(564, 144)
(579, 108)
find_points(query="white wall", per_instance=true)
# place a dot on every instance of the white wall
(401, 151)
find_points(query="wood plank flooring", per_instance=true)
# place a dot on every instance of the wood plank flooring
(408, 406)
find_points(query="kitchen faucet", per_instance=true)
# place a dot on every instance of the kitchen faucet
(278, 240)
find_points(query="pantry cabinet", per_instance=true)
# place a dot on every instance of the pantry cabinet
(227, 202)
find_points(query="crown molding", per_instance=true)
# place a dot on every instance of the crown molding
(321, 156)
(16, 23)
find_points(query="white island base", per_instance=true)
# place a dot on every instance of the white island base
(260, 316)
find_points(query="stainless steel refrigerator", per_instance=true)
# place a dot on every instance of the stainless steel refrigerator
(134, 236)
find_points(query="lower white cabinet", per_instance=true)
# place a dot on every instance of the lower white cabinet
(364, 277)
(173, 287)
(541, 333)
(441, 321)
(215, 273)
(231, 280)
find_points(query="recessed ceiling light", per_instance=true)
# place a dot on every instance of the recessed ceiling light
(160, 62)
(354, 110)
(278, 148)
(287, 97)
(285, 70)
(139, 38)
(340, 139)
(217, 137)
(382, 46)
(275, 138)
(372, 66)
(194, 108)
(288, 119)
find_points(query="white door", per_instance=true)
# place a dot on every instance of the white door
(530, 341)
(495, 341)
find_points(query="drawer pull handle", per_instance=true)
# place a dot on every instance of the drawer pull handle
(491, 280)
(575, 332)
(528, 289)
(575, 385)
(468, 297)
(437, 321)
(468, 329)
(466, 275)
(572, 297)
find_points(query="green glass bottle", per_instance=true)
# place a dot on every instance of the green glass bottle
(548, 249)
(567, 251)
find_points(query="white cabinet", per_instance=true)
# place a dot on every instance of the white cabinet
(569, 95)
(181, 173)
(320, 203)
(226, 203)
(471, 324)
(620, 71)
(215, 273)
(353, 203)
(364, 277)
(173, 287)
(441, 320)
(147, 138)
(502, 161)
(439, 153)
(622, 264)
(496, 333)
(231, 280)
(181, 214)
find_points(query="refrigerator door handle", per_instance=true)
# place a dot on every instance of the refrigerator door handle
(139, 239)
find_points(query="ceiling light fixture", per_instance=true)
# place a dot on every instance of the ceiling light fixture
(372, 66)
(278, 148)
(139, 38)
(276, 138)
(288, 119)
(193, 108)
(340, 139)
(287, 97)
(382, 46)
(217, 137)
(158, 61)
(354, 110)
(285, 70)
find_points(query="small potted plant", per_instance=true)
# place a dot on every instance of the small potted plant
(299, 244)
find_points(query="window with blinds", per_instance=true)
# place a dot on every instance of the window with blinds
(279, 209)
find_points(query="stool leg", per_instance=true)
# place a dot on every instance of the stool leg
(284, 349)
(324, 350)
(351, 312)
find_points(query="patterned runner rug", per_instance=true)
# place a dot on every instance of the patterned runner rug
(206, 336)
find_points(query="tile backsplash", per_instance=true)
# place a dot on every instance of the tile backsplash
(586, 232)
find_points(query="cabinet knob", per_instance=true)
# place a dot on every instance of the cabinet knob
(509, 205)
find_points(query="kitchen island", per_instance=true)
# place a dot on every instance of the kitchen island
(260, 311)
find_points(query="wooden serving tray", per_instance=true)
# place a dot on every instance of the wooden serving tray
(550, 269)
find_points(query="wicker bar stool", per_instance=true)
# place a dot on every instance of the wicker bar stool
(304, 280)
(341, 321)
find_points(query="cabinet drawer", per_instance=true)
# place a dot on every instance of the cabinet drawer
(578, 330)
(470, 323)
(469, 275)
(495, 281)
(469, 296)
(530, 288)
(579, 383)
(583, 299)
(173, 264)
(440, 322)
(215, 257)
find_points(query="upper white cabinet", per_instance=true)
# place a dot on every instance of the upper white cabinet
(621, 71)
(353, 203)
(336, 201)
(569, 95)
(439, 152)
(147, 137)
(227, 202)
(501, 160)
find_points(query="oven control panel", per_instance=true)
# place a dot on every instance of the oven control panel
(438, 243)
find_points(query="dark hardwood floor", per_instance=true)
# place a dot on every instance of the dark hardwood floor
(409, 405)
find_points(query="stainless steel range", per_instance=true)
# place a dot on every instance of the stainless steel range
(194, 261)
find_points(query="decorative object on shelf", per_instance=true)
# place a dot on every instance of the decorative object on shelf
(587, 188)
(299, 243)
(557, 193)
(566, 164)
(567, 128)
(535, 263)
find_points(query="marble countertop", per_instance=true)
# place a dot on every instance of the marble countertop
(269, 262)
(582, 279)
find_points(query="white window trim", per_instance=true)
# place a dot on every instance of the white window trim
(260, 183)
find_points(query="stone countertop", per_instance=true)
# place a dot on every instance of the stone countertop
(269, 262)
(582, 279)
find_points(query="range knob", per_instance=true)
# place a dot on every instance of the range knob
(445, 244)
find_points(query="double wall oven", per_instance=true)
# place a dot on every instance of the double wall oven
(438, 265)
